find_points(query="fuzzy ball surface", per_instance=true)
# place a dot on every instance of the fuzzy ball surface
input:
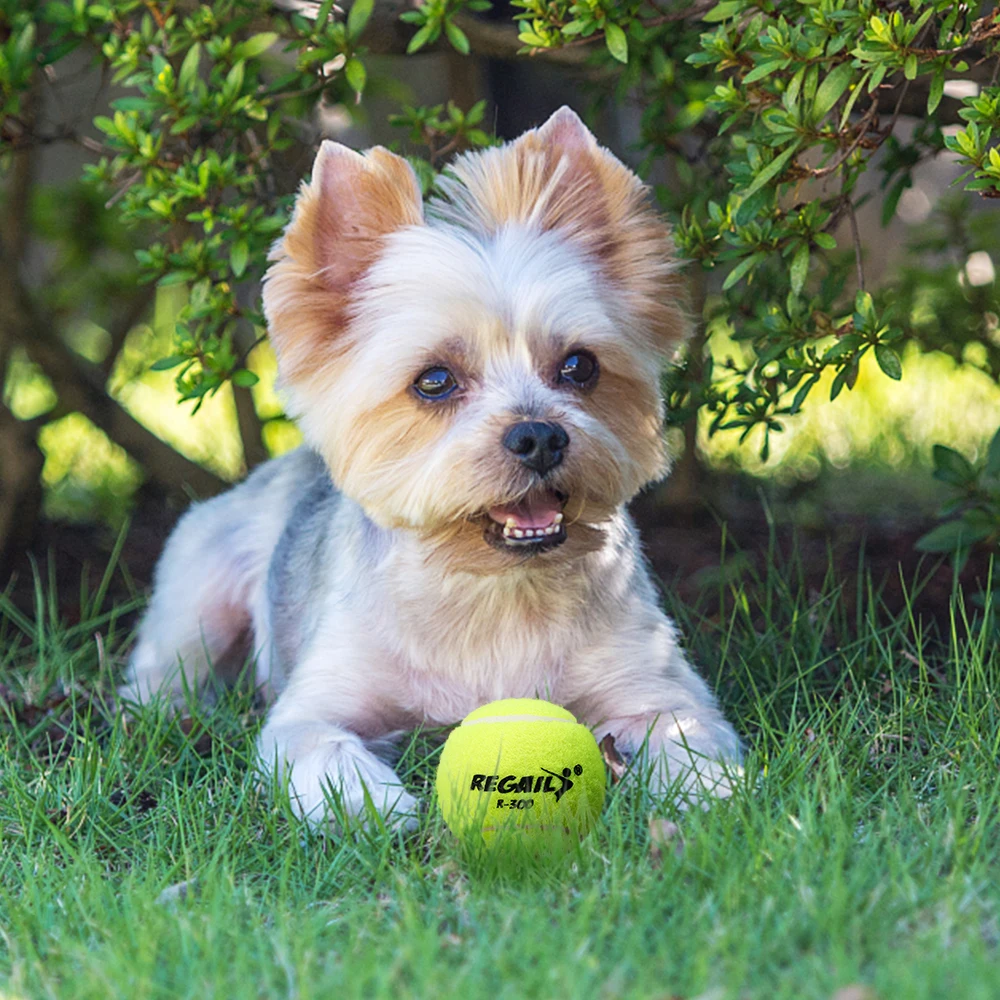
(521, 769)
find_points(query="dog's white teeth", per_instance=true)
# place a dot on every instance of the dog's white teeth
(512, 532)
(557, 521)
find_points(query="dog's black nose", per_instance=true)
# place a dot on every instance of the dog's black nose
(539, 446)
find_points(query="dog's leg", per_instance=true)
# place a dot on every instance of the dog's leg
(309, 741)
(197, 611)
(641, 690)
(208, 578)
(211, 579)
(691, 753)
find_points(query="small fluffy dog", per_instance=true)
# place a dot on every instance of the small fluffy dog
(477, 381)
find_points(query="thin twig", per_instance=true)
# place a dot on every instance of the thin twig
(120, 193)
(868, 118)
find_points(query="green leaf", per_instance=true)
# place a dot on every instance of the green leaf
(457, 37)
(165, 364)
(800, 396)
(825, 240)
(616, 41)
(132, 104)
(936, 91)
(428, 33)
(358, 17)
(891, 202)
(742, 268)
(952, 467)
(764, 70)
(244, 378)
(176, 278)
(189, 68)
(773, 169)
(234, 80)
(799, 268)
(723, 11)
(993, 456)
(948, 537)
(832, 89)
(255, 45)
(238, 257)
(357, 76)
(855, 94)
(323, 14)
(910, 66)
(888, 361)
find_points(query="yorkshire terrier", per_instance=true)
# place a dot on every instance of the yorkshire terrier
(478, 383)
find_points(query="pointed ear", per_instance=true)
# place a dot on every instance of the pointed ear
(565, 130)
(341, 218)
(557, 177)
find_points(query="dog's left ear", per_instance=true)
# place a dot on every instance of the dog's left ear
(352, 202)
(601, 204)
(558, 177)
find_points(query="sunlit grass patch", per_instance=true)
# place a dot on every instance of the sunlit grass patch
(880, 422)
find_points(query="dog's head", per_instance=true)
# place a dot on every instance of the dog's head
(485, 375)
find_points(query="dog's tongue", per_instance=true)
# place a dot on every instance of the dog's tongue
(538, 511)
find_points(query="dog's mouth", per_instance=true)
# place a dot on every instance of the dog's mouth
(534, 523)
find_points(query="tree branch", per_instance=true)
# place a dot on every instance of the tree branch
(81, 386)
(21, 460)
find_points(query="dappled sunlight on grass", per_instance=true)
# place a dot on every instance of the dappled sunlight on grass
(280, 434)
(85, 474)
(881, 422)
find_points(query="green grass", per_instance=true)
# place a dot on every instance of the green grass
(864, 847)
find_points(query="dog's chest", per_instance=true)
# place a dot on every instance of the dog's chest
(465, 647)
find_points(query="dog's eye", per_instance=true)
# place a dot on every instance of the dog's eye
(435, 383)
(579, 369)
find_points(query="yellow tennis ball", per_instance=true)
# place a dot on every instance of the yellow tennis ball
(522, 769)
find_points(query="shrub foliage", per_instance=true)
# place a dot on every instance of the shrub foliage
(765, 124)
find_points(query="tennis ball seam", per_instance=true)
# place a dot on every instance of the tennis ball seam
(519, 718)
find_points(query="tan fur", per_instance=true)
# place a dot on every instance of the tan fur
(341, 218)
(557, 177)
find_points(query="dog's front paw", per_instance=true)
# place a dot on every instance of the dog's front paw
(687, 760)
(333, 777)
(692, 780)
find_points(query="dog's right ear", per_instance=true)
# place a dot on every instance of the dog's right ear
(342, 215)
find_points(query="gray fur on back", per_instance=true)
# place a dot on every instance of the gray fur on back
(300, 562)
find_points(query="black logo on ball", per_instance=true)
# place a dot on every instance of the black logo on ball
(528, 783)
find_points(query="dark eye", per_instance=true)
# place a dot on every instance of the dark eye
(435, 383)
(579, 369)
